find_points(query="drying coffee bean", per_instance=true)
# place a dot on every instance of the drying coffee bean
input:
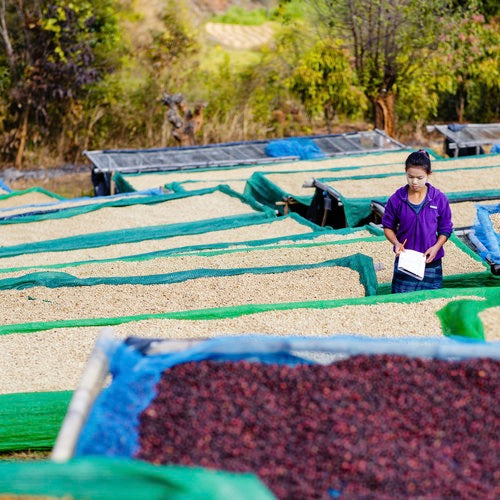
(380, 426)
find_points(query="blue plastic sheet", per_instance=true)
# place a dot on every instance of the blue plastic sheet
(488, 240)
(305, 149)
(5, 187)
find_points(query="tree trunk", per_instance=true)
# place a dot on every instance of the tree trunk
(384, 113)
(23, 134)
(461, 107)
(5, 36)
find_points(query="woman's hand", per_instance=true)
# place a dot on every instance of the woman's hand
(431, 252)
(399, 247)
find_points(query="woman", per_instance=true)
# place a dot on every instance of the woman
(418, 216)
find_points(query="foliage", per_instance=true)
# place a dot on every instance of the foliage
(239, 15)
(91, 74)
(470, 54)
(326, 83)
(285, 11)
(59, 50)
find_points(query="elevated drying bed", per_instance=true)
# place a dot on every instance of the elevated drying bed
(48, 368)
(31, 420)
(212, 233)
(27, 198)
(127, 213)
(217, 388)
(36, 201)
(55, 296)
(227, 175)
(236, 177)
(356, 192)
(459, 259)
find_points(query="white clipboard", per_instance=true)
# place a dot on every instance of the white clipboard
(413, 263)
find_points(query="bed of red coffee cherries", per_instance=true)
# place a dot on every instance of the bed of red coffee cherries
(379, 426)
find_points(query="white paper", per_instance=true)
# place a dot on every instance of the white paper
(413, 263)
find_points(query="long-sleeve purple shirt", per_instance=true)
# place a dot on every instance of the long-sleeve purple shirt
(420, 230)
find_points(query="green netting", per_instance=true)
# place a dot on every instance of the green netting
(31, 420)
(236, 311)
(130, 201)
(357, 210)
(300, 240)
(16, 194)
(462, 316)
(124, 181)
(302, 250)
(106, 238)
(51, 279)
(103, 478)
(134, 235)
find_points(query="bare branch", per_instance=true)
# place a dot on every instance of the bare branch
(5, 34)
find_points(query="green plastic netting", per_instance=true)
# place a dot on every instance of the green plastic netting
(100, 478)
(357, 207)
(132, 201)
(463, 316)
(316, 233)
(145, 180)
(31, 421)
(240, 310)
(302, 250)
(51, 279)
(211, 229)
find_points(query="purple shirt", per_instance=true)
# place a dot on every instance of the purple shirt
(420, 230)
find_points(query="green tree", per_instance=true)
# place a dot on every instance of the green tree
(56, 50)
(470, 49)
(387, 39)
(326, 83)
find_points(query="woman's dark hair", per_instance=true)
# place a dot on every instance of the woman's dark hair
(419, 159)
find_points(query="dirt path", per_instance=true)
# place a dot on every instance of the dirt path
(240, 37)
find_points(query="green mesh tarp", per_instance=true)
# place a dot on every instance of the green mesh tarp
(51, 279)
(240, 310)
(100, 478)
(31, 420)
(131, 201)
(458, 257)
(358, 209)
(15, 197)
(106, 238)
(125, 181)
(462, 316)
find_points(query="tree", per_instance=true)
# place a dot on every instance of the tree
(387, 39)
(53, 49)
(326, 83)
(470, 56)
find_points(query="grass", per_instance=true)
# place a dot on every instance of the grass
(25, 455)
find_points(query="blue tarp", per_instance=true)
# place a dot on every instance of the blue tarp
(484, 236)
(4, 186)
(305, 149)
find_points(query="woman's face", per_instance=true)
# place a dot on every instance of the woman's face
(416, 177)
